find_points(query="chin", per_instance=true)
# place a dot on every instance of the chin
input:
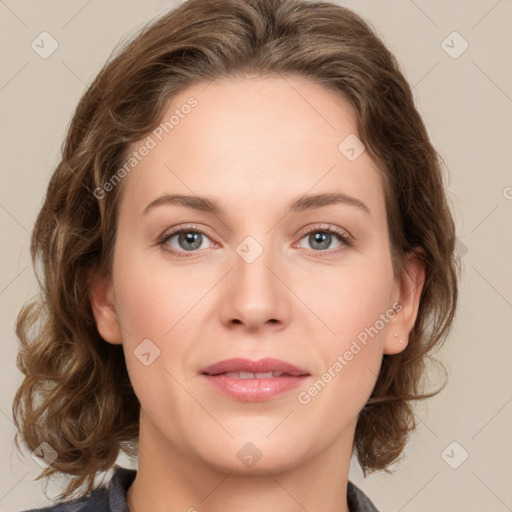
(253, 455)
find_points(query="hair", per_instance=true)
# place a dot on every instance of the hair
(76, 394)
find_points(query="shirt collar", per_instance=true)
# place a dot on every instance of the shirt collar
(119, 485)
(123, 478)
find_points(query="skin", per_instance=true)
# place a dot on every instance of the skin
(253, 144)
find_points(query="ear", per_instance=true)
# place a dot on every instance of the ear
(407, 293)
(103, 308)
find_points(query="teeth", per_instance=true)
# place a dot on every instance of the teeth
(250, 375)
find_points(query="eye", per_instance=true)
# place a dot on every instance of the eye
(321, 237)
(187, 239)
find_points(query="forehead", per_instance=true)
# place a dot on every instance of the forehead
(260, 138)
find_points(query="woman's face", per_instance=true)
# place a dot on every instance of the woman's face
(264, 276)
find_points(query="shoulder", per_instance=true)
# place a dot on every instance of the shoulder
(102, 499)
(95, 501)
(358, 501)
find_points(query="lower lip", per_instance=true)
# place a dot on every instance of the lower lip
(254, 390)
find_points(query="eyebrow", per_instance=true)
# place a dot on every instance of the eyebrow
(299, 204)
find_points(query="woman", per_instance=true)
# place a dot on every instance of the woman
(247, 259)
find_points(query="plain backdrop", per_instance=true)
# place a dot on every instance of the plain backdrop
(458, 459)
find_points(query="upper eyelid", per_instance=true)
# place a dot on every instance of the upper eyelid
(191, 227)
(326, 227)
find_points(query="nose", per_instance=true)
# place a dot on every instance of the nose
(255, 290)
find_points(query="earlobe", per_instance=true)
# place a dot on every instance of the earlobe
(409, 291)
(103, 308)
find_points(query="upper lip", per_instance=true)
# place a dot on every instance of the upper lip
(239, 364)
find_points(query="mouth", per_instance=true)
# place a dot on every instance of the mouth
(264, 368)
(251, 375)
(253, 381)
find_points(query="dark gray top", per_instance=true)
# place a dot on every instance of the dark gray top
(113, 498)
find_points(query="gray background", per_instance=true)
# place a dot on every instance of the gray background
(467, 105)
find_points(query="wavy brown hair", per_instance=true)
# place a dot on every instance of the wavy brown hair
(76, 394)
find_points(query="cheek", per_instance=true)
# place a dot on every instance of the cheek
(153, 301)
(351, 357)
(350, 300)
(155, 310)
(158, 304)
(354, 311)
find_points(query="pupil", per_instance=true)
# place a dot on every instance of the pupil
(190, 236)
(322, 238)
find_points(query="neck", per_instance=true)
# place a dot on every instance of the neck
(170, 480)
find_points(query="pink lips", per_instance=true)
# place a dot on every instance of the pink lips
(239, 364)
(285, 377)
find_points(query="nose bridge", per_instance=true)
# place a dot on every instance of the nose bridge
(255, 256)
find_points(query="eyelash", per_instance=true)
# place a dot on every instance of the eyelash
(346, 240)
